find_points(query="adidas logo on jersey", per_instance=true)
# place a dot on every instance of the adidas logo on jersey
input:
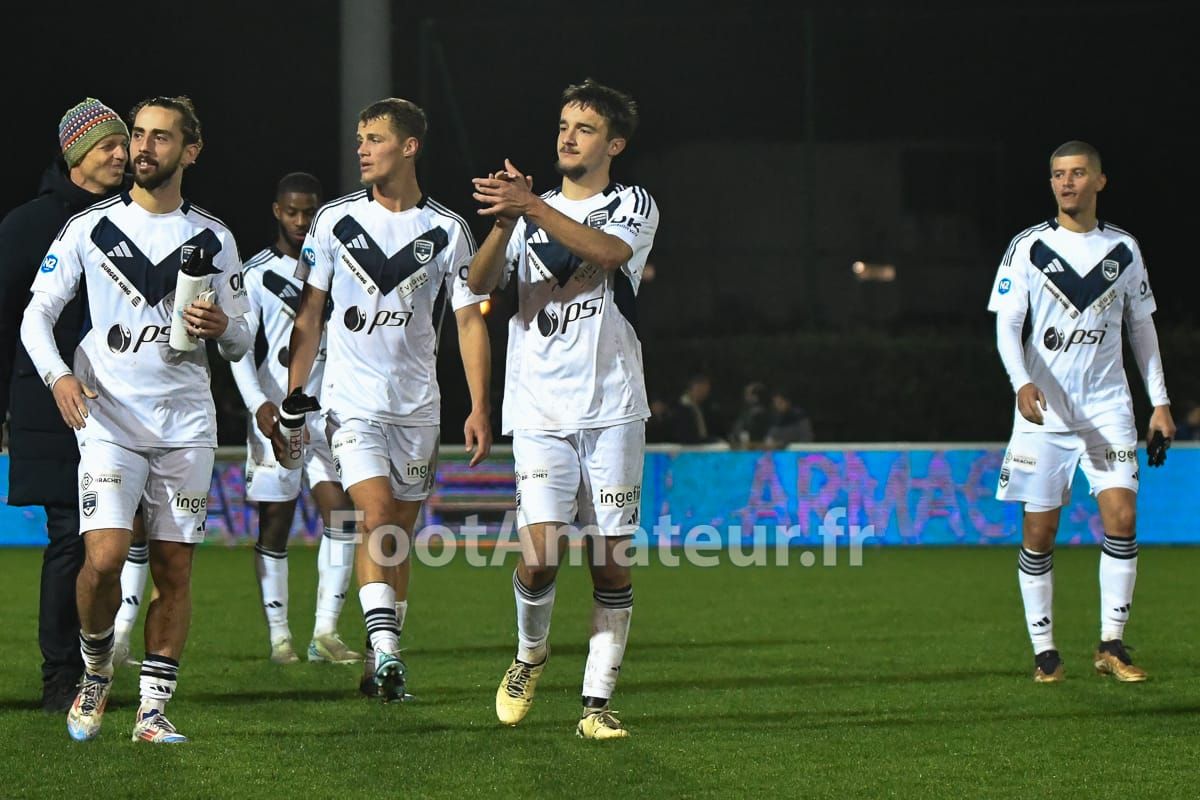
(120, 251)
(1054, 266)
(358, 243)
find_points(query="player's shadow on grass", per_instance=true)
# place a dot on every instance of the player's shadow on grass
(581, 648)
(799, 679)
(823, 719)
(22, 704)
(259, 694)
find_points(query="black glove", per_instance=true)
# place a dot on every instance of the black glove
(1156, 449)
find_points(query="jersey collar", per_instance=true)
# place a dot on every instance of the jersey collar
(127, 199)
(1054, 224)
(420, 203)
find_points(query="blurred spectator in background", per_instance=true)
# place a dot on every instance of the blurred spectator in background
(750, 428)
(789, 423)
(692, 416)
(1189, 427)
(659, 427)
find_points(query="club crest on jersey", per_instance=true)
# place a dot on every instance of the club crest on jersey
(422, 250)
(1110, 268)
(88, 503)
(185, 253)
(598, 218)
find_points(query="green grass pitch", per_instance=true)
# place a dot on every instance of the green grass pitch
(905, 677)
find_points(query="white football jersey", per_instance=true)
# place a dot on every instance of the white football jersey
(129, 258)
(386, 272)
(1077, 288)
(574, 358)
(273, 294)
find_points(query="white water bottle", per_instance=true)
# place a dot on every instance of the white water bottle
(193, 283)
(291, 423)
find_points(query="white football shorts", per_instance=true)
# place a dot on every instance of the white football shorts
(406, 455)
(591, 477)
(1039, 466)
(268, 482)
(171, 483)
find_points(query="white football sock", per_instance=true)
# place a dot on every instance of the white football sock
(611, 614)
(1118, 573)
(335, 561)
(133, 589)
(1035, 573)
(534, 609)
(272, 570)
(378, 602)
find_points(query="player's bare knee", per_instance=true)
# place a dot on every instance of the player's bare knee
(274, 528)
(106, 552)
(1038, 534)
(171, 565)
(1121, 523)
(537, 575)
(107, 563)
(609, 562)
(611, 576)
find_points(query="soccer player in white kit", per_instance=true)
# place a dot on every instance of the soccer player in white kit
(273, 293)
(575, 395)
(143, 412)
(1079, 281)
(390, 258)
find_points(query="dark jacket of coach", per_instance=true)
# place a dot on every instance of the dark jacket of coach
(43, 456)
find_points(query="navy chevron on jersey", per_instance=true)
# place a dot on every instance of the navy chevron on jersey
(129, 258)
(1077, 289)
(574, 358)
(273, 294)
(388, 274)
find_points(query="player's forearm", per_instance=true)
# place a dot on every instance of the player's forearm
(245, 375)
(236, 340)
(475, 346)
(37, 334)
(1008, 342)
(306, 338)
(487, 267)
(595, 247)
(1143, 340)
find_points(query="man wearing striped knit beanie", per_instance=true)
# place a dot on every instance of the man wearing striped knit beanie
(84, 126)
(44, 458)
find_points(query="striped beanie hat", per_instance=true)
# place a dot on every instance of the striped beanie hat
(85, 125)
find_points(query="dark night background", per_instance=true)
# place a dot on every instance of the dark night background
(930, 134)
